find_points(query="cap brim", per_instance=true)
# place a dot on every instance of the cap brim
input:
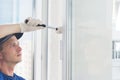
(18, 35)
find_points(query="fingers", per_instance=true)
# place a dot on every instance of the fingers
(33, 22)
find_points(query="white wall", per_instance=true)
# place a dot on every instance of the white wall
(92, 37)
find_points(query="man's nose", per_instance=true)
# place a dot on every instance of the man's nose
(19, 48)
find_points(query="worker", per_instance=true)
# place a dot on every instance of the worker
(10, 50)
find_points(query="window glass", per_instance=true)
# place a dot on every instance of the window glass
(16, 11)
(6, 11)
(116, 60)
(116, 40)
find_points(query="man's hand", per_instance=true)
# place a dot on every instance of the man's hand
(31, 24)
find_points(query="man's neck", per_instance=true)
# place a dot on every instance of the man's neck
(7, 69)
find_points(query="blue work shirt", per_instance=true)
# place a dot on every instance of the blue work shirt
(6, 77)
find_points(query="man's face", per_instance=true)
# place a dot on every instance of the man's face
(11, 52)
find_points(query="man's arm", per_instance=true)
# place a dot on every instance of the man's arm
(31, 25)
(9, 29)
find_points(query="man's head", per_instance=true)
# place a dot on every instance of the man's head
(10, 51)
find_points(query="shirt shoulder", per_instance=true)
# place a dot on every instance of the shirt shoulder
(18, 77)
(6, 77)
(1, 77)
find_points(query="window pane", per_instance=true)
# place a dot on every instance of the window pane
(16, 11)
(6, 11)
(116, 41)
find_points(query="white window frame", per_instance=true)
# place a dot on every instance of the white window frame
(67, 41)
(41, 41)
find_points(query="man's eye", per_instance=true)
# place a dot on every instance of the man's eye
(14, 44)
